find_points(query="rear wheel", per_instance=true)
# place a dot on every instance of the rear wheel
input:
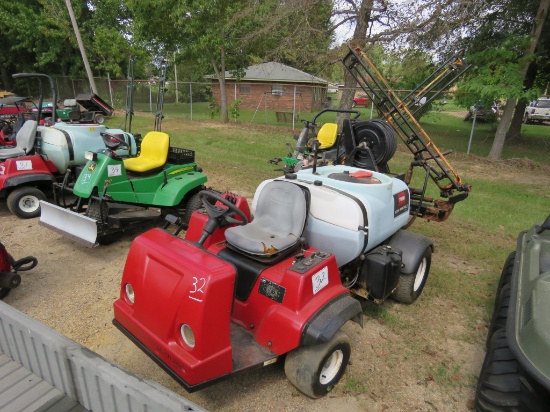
(99, 118)
(411, 285)
(194, 203)
(314, 370)
(24, 202)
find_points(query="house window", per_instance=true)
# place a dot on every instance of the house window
(244, 88)
(277, 89)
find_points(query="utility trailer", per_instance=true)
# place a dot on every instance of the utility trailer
(41, 369)
(96, 108)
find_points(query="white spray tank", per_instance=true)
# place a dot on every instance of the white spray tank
(65, 144)
(351, 210)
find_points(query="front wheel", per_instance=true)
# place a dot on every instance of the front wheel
(24, 202)
(411, 285)
(99, 118)
(314, 370)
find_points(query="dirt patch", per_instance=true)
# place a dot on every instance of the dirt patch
(423, 357)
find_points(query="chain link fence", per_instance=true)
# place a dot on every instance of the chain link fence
(450, 126)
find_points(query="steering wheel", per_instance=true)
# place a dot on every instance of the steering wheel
(112, 140)
(215, 212)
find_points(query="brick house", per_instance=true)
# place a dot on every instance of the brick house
(274, 86)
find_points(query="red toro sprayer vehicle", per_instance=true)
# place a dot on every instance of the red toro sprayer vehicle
(239, 291)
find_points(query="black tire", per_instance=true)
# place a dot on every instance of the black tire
(468, 116)
(500, 314)
(194, 203)
(503, 385)
(526, 119)
(410, 286)
(379, 137)
(506, 275)
(24, 202)
(99, 118)
(95, 212)
(314, 370)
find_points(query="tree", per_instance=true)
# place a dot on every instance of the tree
(427, 24)
(500, 136)
(229, 34)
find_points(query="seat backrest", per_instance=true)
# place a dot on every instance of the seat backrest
(26, 136)
(153, 154)
(327, 135)
(281, 206)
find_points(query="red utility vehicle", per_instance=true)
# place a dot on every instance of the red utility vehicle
(203, 309)
(361, 101)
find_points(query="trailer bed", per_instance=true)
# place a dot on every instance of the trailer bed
(42, 370)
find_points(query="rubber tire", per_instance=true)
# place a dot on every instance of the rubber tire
(303, 365)
(33, 194)
(526, 119)
(99, 118)
(408, 291)
(194, 203)
(94, 212)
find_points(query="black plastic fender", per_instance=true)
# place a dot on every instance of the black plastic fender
(330, 318)
(413, 246)
(28, 178)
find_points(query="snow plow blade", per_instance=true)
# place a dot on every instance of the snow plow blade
(75, 226)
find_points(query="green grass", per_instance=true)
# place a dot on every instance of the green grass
(447, 130)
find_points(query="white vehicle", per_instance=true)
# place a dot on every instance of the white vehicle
(537, 111)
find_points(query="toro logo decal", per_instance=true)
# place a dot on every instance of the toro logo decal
(2, 169)
(400, 203)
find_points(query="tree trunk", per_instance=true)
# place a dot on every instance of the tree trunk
(220, 75)
(504, 124)
(500, 135)
(5, 78)
(517, 120)
(223, 89)
(359, 36)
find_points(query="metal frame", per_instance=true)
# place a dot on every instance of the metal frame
(401, 115)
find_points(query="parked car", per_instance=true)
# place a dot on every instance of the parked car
(361, 101)
(537, 111)
(482, 114)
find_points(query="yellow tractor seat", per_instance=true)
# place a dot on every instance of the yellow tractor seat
(154, 152)
(327, 135)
